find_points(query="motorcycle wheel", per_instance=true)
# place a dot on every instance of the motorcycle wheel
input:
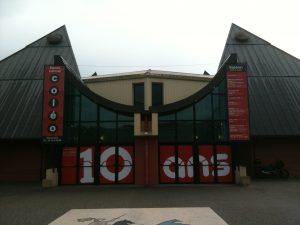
(284, 173)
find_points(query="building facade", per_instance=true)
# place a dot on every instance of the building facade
(147, 127)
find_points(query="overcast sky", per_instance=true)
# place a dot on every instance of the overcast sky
(110, 36)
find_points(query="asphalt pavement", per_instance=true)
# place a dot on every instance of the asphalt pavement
(264, 202)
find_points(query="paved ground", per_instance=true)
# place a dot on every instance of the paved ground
(264, 202)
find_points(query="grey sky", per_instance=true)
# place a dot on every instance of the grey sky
(110, 36)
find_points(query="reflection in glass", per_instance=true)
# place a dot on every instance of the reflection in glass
(107, 115)
(88, 109)
(88, 132)
(203, 109)
(107, 132)
(167, 132)
(185, 114)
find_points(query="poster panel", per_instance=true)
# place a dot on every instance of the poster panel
(185, 164)
(167, 164)
(224, 167)
(125, 165)
(69, 165)
(107, 164)
(206, 163)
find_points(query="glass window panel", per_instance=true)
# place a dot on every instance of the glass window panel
(107, 132)
(204, 131)
(125, 132)
(166, 132)
(203, 109)
(221, 131)
(221, 88)
(167, 117)
(72, 108)
(88, 132)
(185, 131)
(157, 94)
(71, 132)
(138, 92)
(71, 90)
(185, 114)
(122, 117)
(88, 109)
(220, 107)
(107, 115)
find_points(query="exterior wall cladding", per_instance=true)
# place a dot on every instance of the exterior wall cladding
(190, 138)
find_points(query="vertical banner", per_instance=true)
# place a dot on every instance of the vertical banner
(238, 113)
(53, 107)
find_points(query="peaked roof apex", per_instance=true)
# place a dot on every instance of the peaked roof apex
(58, 37)
(239, 36)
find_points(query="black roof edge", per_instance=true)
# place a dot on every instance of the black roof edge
(70, 75)
(221, 73)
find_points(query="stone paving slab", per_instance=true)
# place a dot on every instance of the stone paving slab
(141, 216)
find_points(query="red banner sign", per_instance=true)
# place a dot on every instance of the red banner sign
(213, 162)
(53, 103)
(238, 114)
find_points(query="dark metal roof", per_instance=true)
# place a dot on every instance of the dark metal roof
(274, 84)
(21, 85)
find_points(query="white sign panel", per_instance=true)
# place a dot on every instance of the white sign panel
(141, 216)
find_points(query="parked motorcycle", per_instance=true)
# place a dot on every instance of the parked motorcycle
(271, 170)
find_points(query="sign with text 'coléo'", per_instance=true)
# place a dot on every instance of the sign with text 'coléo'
(53, 107)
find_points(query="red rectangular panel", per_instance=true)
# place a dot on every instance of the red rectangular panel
(125, 164)
(206, 174)
(107, 155)
(68, 175)
(69, 156)
(224, 160)
(107, 174)
(206, 161)
(69, 165)
(167, 162)
(185, 163)
(53, 106)
(167, 174)
(107, 164)
(166, 151)
(238, 113)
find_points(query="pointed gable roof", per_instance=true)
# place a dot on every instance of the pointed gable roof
(28, 63)
(21, 83)
(273, 80)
